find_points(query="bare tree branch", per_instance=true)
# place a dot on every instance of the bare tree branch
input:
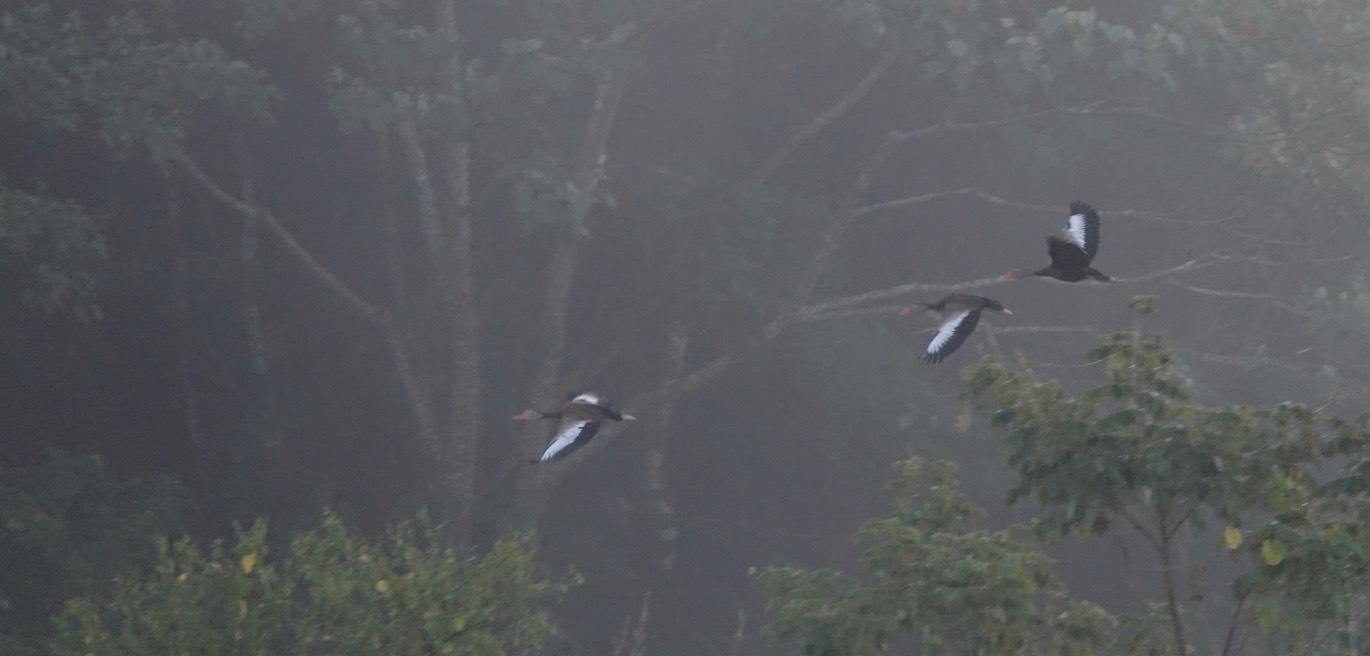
(354, 301)
(951, 126)
(1097, 108)
(894, 292)
(1029, 330)
(1146, 534)
(833, 112)
(419, 404)
(977, 192)
(1200, 262)
(831, 240)
(855, 313)
(1268, 297)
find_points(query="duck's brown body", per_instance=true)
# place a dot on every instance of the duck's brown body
(1072, 254)
(958, 315)
(581, 417)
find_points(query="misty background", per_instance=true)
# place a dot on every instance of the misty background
(289, 255)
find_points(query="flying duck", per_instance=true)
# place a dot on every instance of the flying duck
(959, 313)
(1072, 252)
(580, 417)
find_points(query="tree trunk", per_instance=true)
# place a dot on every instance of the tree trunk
(1172, 602)
(658, 497)
(451, 262)
(267, 428)
(185, 370)
(465, 423)
(534, 484)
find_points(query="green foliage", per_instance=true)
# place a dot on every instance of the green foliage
(141, 90)
(144, 89)
(1142, 304)
(930, 578)
(995, 45)
(261, 17)
(402, 73)
(51, 243)
(67, 524)
(333, 593)
(1138, 439)
(1140, 447)
(41, 49)
(1309, 125)
(1309, 562)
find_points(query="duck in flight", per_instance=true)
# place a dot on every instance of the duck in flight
(1073, 251)
(958, 314)
(581, 417)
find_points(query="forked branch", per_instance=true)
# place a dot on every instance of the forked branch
(833, 112)
(394, 340)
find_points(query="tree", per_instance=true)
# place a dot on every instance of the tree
(1282, 490)
(933, 580)
(1141, 451)
(333, 592)
(50, 244)
(67, 525)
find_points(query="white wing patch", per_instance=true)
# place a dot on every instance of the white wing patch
(946, 331)
(588, 398)
(1075, 231)
(564, 442)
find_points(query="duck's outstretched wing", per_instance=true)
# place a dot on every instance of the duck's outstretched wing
(570, 436)
(951, 335)
(1082, 229)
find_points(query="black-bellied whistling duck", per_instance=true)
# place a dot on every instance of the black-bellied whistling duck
(959, 313)
(1072, 253)
(580, 420)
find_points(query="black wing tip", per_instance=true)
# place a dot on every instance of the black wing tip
(934, 358)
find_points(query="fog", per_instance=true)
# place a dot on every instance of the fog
(329, 260)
